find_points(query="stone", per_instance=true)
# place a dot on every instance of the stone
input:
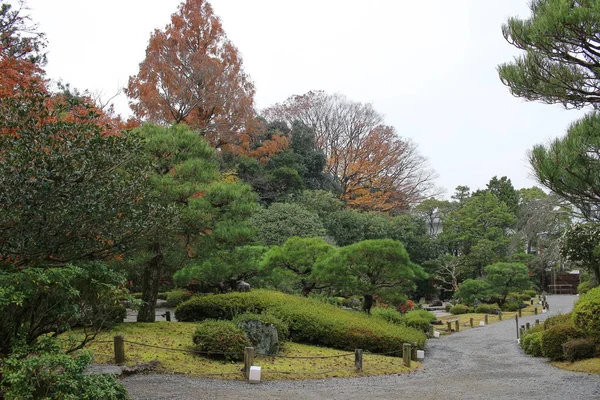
(263, 336)
(436, 303)
(243, 286)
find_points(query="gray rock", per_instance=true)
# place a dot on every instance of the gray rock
(243, 286)
(263, 336)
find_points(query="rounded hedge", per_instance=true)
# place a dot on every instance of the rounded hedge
(531, 344)
(579, 349)
(554, 338)
(220, 339)
(389, 315)
(427, 315)
(176, 297)
(487, 308)
(283, 330)
(511, 306)
(584, 287)
(586, 313)
(530, 293)
(524, 297)
(558, 319)
(459, 309)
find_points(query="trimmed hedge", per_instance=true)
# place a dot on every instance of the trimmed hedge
(459, 309)
(558, 319)
(554, 338)
(283, 330)
(176, 297)
(424, 314)
(389, 315)
(579, 349)
(530, 293)
(531, 344)
(221, 339)
(487, 308)
(310, 321)
(586, 313)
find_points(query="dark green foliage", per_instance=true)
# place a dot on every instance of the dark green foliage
(487, 308)
(310, 320)
(417, 321)
(281, 221)
(424, 314)
(389, 314)
(176, 297)
(584, 287)
(511, 306)
(459, 309)
(45, 372)
(582, 245)
(507, 277)
(554, 338)
(283, 330)
(221, 339)
(472, 289)
(586, 313)
(531, 293)
(524, 297)
(579, 349)
(531, 343)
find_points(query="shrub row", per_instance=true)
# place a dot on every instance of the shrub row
(223, 339)
(417, 319)
(586, 313)
(487, 308)
(309, 320)
(459, 309)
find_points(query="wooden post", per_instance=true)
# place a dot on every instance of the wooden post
(431, 331)
(527, 326)
(449, 327)
(531, 303)
(358, 360)
(520, 313)
(485, 318)
(537, 321)
(248, 360)
(119, 349)
(471, 321)
(547, 306)
(499, 315)
(168, 316)
(456, 326)
(535, 311)
(517, 321)
(406, 354)
(413, 352)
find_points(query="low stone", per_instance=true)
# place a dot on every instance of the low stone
(263, 336)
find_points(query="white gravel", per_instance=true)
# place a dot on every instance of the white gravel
(483, 363)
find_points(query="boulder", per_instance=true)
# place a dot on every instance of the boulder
(263, 336)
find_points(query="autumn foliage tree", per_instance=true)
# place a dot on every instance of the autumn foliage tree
(376, 168)
(193, 74)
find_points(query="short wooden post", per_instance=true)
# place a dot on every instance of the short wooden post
(517, 321)
(471, 321)
(406, 349)
(527, 326)
(248, 360)
(547, 306)
(358, 360)
(168, 316)
(535, 310)
(456, 325)
(431, 331)
(499, 315)
(531, 303)
(119, 349)
(520, 313)
(537, 321)
(449, 327)
(413, 352)
(485, 318)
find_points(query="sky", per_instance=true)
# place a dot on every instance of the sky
(428, 66)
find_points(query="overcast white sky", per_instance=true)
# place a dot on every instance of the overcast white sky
(428, 66)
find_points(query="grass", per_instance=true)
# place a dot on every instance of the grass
(178, 335)
(464, 319)
(591, 366)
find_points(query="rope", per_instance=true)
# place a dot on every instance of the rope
(383, 354)
(299, 373)
(305, 357)
(180, 350)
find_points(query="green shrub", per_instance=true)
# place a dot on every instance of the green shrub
(511, 306)
(309, 320)
(524, 297)
(418, 322)
(48, 373)
(221, 339)
(487, 308)
(530, 293)
(531, 343)
(427, 315)
(586, 313)
(389, 314)
(554, 338)
(558, 319)
(447, 307)
(160, 296)
(283, 330)
(176, 297)
(584, 287)
(579, 349)
(459, 309)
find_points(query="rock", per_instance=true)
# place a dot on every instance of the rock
(436, 303)
(263, 336)
(243, 286)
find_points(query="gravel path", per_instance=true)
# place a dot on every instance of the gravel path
(483, 363)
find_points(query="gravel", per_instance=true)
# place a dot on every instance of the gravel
(482, 363)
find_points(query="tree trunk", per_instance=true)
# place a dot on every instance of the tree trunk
(150, 285)
(307, 288)
(367, 303)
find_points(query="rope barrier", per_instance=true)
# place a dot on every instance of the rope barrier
(306, 357)
(180, 350)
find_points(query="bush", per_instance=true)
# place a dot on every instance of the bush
(160, 296)
(554, 338)
(586, 313)
(221, 339)
(524, 297)
(579, 349)
(310, 321)
(176, 297)
(48, 373)
(530, 293)
(427, 315)
(389, 314)
(459, 309)
(531, 343)
(584, 287)
(487, 308)
(283, 330)
(447, 307)
(418, 322)
(511, 306)
(558, 319)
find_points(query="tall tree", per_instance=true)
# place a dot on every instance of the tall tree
(376, 168)
(192, 73)
(562, 53)
(504, 191)
(582, 246)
